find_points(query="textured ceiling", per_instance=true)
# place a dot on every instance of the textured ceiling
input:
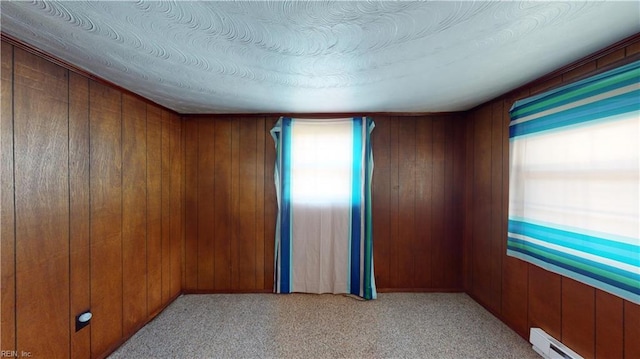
(310, 57)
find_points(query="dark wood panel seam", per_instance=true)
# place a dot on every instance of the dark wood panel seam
(197, 214)
(146, 198)
(89, 194)
(161, 207)
(122, 169)
(15, 227)
(69, 199)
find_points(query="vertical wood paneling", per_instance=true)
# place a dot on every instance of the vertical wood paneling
(7, 215)
(223, 204)
(191, 205)
(243, 202)
(631, 330)
(394, 205)
(82, 190)
(438, 225)
(578, 317)
(381, 196)
(106, 217)
(175, 222)
(234, 243)
(459, 189)
(452, 238)
(260, 203)
(79, 211)
(481, 207)
(545, 303)
(424, 205)
(165, 200)
(206, 203)
(514, 271)
(608, 326)
(245, 216)
(154, 209)
(530, 296)
(134, 212)
(497, 236)
(406, 202)
(467, 234)
(41, 205)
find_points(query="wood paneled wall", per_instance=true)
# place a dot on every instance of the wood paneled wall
(594, 323)
(116, 205)
(92, 214)
(417, 191)
(231, 205)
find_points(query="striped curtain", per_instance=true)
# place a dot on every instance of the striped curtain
(323, 238)
(574, 181)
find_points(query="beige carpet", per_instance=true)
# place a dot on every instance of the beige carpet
(396, 325)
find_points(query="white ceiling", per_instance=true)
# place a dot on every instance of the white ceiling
(319, 57)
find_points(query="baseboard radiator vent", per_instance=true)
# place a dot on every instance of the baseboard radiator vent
(549, 348)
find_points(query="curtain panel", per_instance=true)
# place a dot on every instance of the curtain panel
(574, 181)
(324, 241)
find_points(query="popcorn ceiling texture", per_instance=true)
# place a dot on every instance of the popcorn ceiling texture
(396, 325)
(319, 56)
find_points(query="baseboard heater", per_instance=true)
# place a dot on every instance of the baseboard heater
(548, 347)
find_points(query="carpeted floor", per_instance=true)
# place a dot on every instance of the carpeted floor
(396, 325)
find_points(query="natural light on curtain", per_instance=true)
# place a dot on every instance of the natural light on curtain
(323, 184)
(574, 181)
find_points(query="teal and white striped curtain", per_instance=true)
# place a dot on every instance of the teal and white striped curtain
(574, 181)
(323, 238)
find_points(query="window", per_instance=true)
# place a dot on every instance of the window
(574, 172)
(322, 176)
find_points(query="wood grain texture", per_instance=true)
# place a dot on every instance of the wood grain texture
(154, 209)
(394, 205)
(260, 168)
(41, 205)
(468, 195)
(631, 330)
(545, 301)
(223, 230)
(230, 179)
(7, 214)
(165, 200)
(79, 213)
(514, 271)
(81, 188)
(481, 207)
(176, 207)
(134, 212)
(106, 217)
(609, 334)
(424, 206)
(405, 239)
(530, 296)
(190, 127)
(578, 317)
(245, 214)
(439, 233)
(205, 203)
(497, 234)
